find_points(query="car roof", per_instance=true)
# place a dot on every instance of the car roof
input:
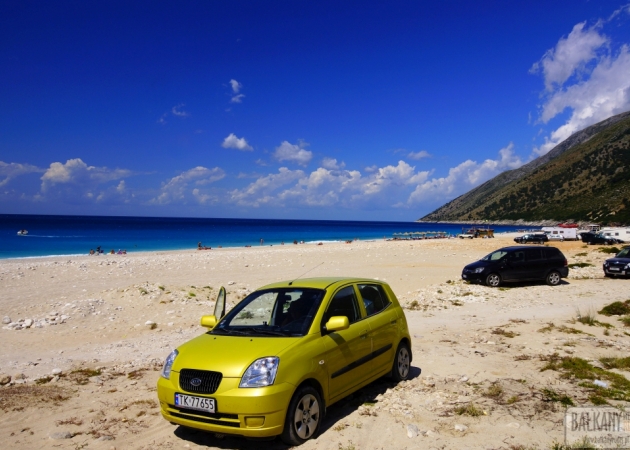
(519, 247)
(318, 282)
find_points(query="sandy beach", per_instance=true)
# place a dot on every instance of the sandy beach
(84, 339)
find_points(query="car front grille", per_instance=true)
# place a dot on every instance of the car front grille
(200, 381)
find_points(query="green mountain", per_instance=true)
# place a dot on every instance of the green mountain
(584, 178)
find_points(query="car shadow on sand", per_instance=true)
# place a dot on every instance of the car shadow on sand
(517, 284)
(334, 415)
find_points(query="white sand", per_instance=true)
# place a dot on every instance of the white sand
(108, 299)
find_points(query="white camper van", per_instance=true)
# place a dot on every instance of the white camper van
(621, 233)
(560, 233)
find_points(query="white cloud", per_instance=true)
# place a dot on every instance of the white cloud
(330, 187)
(465, 176)
(236, 86)
(236, 89)
(332, 164)
(177, 111)
(12, 170)
(418, 155)
(261, 191)
(237, 98)
(293, 153)
(177, 188)
(601, 90)
(400, 175)
(238, 143)
(570, 55)
(76, 172)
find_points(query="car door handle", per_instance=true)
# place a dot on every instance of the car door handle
(363, 334)
(393, 322)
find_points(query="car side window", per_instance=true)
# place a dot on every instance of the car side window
(516, 257)
(534, 254)
(344, 303)
(374, 298)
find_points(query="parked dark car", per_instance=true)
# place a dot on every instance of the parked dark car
(598, 238)
(534, 238)
(518, 263)
(619, 266)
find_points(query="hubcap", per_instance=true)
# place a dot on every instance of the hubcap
(403, 362)
(306, 416)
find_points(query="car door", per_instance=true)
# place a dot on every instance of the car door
(535, 264)
(514, 266)
(383, 322)
(347, 352)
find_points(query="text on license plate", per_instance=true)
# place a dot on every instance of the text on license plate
(614, 269)
(198, 403)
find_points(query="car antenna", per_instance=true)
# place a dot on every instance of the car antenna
(295, 279)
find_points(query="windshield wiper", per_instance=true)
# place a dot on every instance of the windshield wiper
(263, 330)
(229, 331)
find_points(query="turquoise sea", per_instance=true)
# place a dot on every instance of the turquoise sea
(75, 235)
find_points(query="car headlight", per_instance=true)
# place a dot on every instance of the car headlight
(261, 372)
(479, 269)
(168, 364)
(627, 267)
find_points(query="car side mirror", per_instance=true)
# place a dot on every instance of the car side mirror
(208, 322)
(337, 323)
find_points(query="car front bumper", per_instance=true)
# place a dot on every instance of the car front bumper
(616, 271)
(249, 412)
(474, 277)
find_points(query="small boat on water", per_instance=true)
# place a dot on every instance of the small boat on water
(22, 232)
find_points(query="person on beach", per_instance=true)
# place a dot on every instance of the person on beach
(262, 242)
(201, 247)
(91, 251)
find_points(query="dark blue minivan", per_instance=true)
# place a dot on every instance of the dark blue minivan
(518, 263)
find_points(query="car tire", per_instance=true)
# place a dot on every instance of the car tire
(402, 363)
(553, 278)
(493, 280)
(304, 416)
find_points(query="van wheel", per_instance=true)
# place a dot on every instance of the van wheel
(493, 280)
(553, 278)
(304, 416)
(402, 363)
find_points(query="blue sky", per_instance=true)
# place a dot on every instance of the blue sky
(352, 110)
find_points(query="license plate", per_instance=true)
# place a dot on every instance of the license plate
(198, 403)
(614, 269)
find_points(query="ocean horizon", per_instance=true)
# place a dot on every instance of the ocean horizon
(60, 235)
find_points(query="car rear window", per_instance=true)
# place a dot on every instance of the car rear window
(552, 252)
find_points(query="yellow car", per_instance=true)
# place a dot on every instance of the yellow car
(280, 357)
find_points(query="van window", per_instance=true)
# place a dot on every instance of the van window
(516, 256)
(533, 254)
(551, 252)
(494, 256)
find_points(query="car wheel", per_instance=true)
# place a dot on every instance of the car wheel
(493, 280)
(553, 278)
(304, 416)
(402, 363)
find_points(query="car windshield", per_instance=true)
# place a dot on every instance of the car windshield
(272, 312)
(624, 253)
(494, 256)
